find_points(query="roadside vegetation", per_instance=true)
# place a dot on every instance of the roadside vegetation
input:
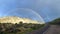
(21, 28)
(55, 22)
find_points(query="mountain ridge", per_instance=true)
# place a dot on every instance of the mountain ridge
(15, 19)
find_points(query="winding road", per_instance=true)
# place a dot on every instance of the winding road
(40, 31)
(53, 29)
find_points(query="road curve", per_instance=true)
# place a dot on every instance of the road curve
(53, 29)
(40, 31)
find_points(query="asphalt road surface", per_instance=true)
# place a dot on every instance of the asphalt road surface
(53, 29)
(40, 31)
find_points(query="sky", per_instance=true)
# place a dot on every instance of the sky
(47, 9)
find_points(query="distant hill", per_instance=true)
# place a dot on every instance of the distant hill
(14, 19)
(55, 21)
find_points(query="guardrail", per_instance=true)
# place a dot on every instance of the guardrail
(41, 30)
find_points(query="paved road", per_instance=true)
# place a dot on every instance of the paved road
(40, 31)
(53, 29)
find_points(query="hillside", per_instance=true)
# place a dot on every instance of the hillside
(55, 21)
(14, 19)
